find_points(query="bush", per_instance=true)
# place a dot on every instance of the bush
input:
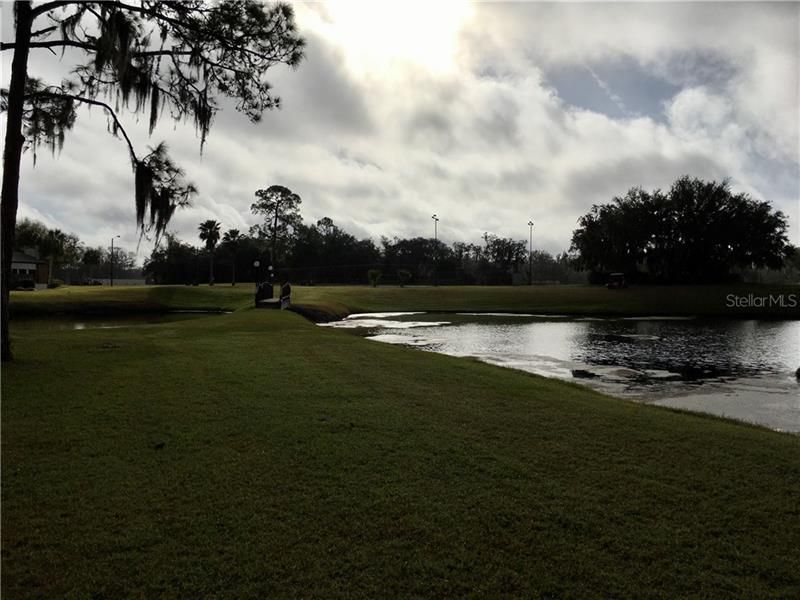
(55, 283)
(23, 284)
(374, 275)
(403, 276)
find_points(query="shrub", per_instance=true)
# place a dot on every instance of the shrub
(374, 276)
(55, 283)
(403, 276)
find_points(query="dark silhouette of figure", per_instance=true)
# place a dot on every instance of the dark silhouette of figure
(286, 293)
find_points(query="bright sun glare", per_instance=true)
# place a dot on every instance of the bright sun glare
(381, 34)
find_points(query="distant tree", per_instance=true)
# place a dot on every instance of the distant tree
(412, 254)
(29, 234)
(547, 267)
(52, 248)
(697, 232)
(504, 253)
(171, 261)
(231, 241)
(62, 250)
(174, 261)
(92, 256)
(327, 227)
(495, 262)
(324, 252)
(124, 260)
(280, 208)
(145, 56)
(54, 245)
(91, 259)
(374, 276)
(403, 277)
(209, 234)
(793, 259)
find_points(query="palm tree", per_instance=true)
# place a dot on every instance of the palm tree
(209, 233)
(231, 241)
(52, 248)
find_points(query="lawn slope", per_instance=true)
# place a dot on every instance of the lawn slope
(699, 300)
(337, 301)
(130, 299)
(257, 455)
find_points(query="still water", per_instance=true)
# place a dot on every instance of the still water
(739, 369)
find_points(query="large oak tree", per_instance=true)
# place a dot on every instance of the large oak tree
(696, 232)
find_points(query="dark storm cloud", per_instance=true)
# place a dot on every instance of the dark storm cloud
(605, 179)
(498, 122)
(430, 127)
(320, 98)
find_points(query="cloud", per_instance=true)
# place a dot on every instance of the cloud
(748, 50)
(545, 110)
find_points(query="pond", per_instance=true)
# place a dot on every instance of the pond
(739, 369)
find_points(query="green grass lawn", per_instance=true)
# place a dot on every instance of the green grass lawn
(257, 455)
(131, 299)
(709, 300)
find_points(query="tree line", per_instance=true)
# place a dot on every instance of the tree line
(323, 252)
(69, 259)
(696, 232)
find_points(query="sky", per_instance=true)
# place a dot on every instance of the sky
(488, 114)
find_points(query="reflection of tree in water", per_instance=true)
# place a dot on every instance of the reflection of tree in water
(693, 349)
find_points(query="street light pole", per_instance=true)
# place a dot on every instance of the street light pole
(112, 259)
(435, 244)
(530, 254)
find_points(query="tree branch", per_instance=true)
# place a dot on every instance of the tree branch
(91, 48)
(48, 6)
(144, 11)
(183, 25)
(51, 45)
(43, 31)
(102, 105)
(163, 52)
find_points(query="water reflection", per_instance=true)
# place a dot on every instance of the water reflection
(742, 369)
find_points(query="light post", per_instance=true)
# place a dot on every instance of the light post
(435, 244)
(530, 255)
(112, 260)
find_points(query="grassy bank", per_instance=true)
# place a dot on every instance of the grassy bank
(257, 455)
(336, 301)
(705, 300)
(130, 299)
